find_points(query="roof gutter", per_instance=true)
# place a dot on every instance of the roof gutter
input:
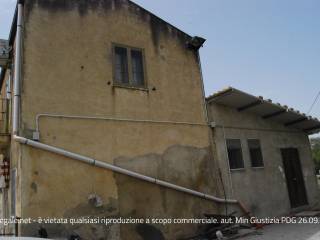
(68, 154)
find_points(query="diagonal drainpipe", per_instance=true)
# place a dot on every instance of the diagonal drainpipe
(81, 158)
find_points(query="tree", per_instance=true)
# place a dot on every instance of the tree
(315, 147)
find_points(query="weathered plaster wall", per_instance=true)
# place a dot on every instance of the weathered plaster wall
(72, 55)
(68, 70)
(10, 151)
(263, 190)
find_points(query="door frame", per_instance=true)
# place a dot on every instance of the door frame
(296, 187)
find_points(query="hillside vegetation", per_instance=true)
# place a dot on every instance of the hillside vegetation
(315, 146)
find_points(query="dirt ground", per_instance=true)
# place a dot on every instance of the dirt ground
(287, 232)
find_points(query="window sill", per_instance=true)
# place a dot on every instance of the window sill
(131, 87)
(257, 167)
(238, 170)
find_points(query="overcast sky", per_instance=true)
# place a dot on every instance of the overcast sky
(267, 47)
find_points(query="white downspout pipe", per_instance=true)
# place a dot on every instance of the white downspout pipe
(88, 160)
(17, 71)
(116, 169)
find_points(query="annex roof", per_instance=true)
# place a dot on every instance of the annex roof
(266, 109)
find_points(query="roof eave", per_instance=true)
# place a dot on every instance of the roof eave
(255, 101)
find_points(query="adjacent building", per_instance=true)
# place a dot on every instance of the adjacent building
(264, 154)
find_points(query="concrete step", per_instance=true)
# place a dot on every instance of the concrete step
(308, 214)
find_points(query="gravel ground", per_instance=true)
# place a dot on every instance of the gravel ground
(287, 232)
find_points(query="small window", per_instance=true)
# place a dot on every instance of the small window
(8, 87)
(128, 67)
(235, 154)
(255, 153)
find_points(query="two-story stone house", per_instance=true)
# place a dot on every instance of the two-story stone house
(103, 115)
(104, 80)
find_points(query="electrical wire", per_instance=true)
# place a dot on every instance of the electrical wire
(314, 102)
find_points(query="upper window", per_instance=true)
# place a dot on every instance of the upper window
(255, 153)
(129, 67)
(235, 154)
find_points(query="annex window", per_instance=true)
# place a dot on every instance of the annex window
(235, 154)
(129, 67)
(255, 152)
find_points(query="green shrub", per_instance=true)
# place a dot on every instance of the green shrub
(315, 147)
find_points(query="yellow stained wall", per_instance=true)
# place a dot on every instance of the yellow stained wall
(66, 70)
